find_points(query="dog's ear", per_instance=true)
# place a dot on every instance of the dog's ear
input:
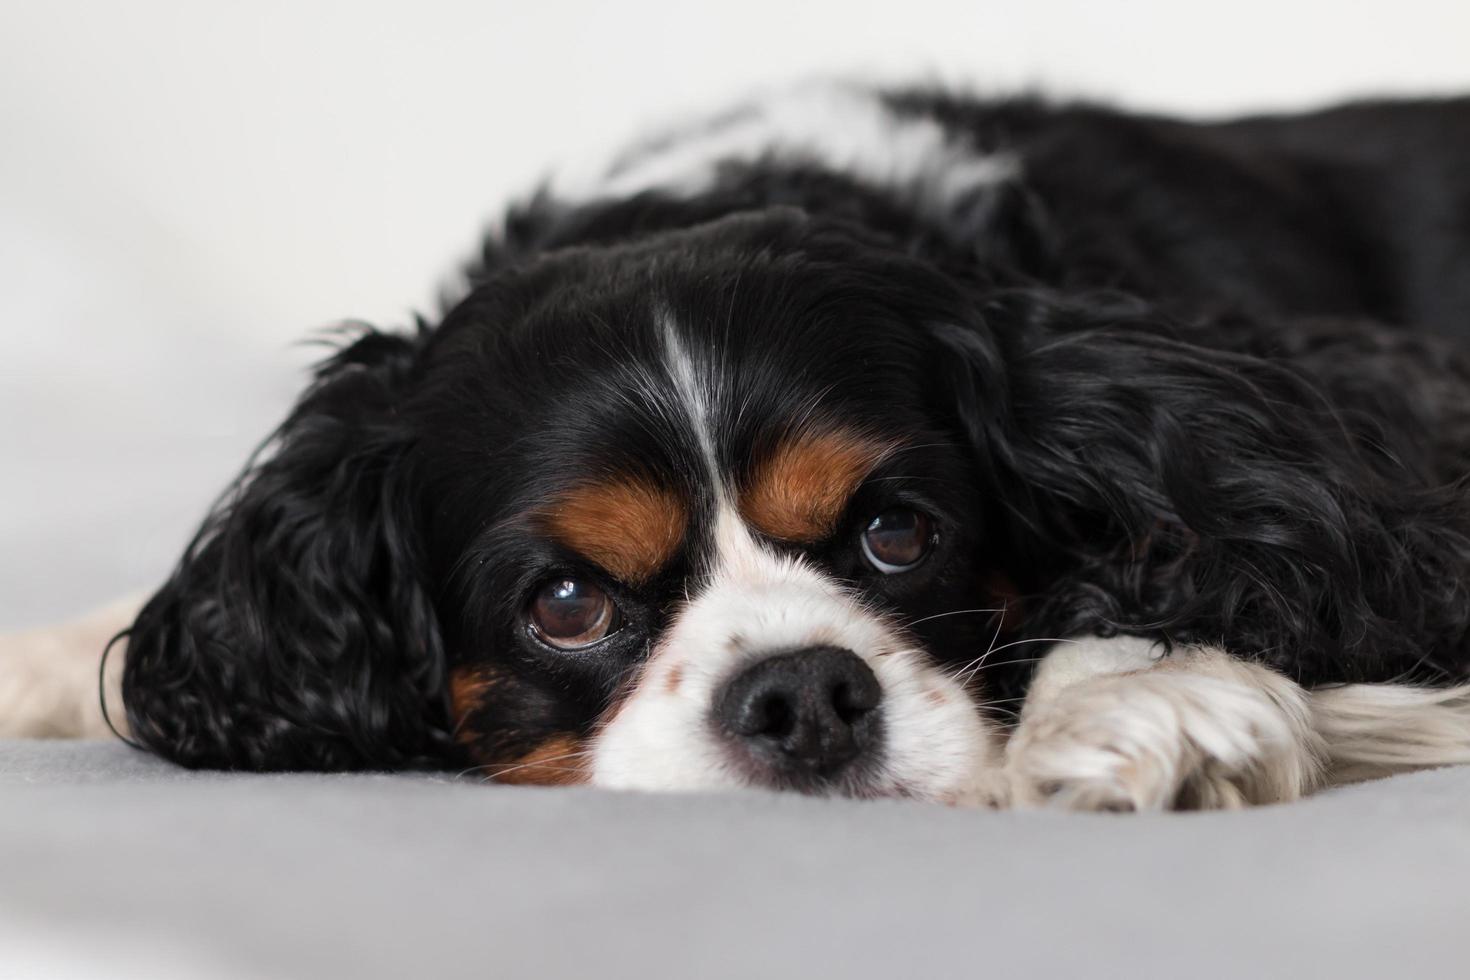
(296, 632)
(1153, 479)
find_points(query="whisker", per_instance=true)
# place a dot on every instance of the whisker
(977, 662)
(1038, 639)
(953, 612)
(999, 625)
(1007, 663)
(503, 769)
(967, 673)
(547, 764)
(496, 776)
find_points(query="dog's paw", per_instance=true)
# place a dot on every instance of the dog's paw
(49, 682)
(1166, 739)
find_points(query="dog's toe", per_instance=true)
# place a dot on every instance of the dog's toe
(1158, 741)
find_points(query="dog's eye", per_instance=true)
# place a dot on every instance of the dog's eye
(897, 540)
(571, 613)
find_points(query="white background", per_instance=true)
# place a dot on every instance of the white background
(187, 189)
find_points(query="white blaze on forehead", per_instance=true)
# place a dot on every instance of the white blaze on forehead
(694, 395)
(847, 129)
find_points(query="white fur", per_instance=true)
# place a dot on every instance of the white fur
(1197, 728)
(1379, 729)
(694, 396)
(1073, 661)
(1113, 724)
(845, 128)
(48, 678)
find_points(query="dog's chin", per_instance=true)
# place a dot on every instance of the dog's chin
(976, 782)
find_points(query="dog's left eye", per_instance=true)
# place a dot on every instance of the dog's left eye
(571, 613)
(897, 540)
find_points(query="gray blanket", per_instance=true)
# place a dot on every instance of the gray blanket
(112, 863)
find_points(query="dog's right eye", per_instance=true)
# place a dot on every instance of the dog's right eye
(897, 540)
(570, 613)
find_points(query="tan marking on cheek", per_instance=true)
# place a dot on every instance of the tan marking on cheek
(629, 526)
(467, 689)
(799, 491)
(559, 761)
(936, 697)
(674, 679)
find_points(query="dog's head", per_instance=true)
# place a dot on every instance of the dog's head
(694, 511)
(698, 516)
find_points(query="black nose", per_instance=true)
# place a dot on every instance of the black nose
(806, 714)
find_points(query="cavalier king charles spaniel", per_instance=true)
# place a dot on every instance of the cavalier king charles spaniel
(881, 443)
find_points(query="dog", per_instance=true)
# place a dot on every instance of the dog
(881, 443)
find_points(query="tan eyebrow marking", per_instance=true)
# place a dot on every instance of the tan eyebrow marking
(629, 526)
(800, 489)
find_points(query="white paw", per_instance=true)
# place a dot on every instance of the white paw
(48, 677)
(1167, 739)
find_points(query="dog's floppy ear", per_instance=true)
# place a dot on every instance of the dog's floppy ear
(1155, 480)
(296, 632)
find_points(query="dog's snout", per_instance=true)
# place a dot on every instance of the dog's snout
(806, 713)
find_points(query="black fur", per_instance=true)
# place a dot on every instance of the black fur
(1202, 382)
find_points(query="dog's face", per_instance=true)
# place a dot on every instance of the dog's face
(697, 520)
